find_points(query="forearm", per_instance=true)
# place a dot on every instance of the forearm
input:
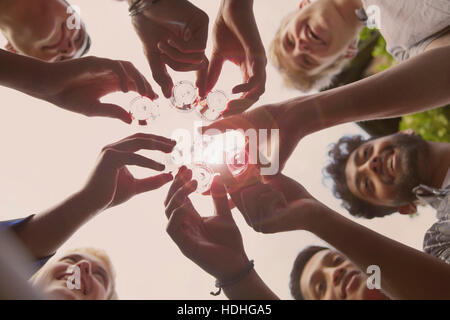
(418, 84)
(252, 287)
(20, 72)
(45, 232)
(406, 273)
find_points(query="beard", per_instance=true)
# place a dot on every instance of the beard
(411, 148)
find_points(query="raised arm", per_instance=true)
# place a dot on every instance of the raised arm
(173, 33)
(214, 243)
(110, 184)
(406, 273)
(75, 85)
(236, 38)
(418, 84)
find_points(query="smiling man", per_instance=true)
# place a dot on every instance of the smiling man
(377, 177)
(39, 29)
(320, 273)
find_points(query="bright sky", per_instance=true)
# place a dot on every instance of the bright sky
(48, 154)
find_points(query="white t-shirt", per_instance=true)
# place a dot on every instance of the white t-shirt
(409, 25)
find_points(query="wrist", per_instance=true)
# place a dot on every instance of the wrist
(86, 202)
(234, 278)
(304, 214)
(304, 111)
(315, 215)
(234, 268)
(251, 287)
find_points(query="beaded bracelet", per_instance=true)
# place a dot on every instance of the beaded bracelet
(241, 276)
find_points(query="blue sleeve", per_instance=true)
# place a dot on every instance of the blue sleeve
(10, 224)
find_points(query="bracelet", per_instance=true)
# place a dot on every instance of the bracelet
(241, 276)
(135, 9)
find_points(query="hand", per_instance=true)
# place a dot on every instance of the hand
(173, 33)
(236, 38)
(276, 204)
(111, 184)
(77, 85)
(274, 116)
(214, 243)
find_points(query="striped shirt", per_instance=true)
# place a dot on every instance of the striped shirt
(437, 238)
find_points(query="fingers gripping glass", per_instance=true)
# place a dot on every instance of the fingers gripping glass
(201, 172)
(185, 99)
(210, 156)
(143, 110)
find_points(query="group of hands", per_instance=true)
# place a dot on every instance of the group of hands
(269, 204)
(173, 33)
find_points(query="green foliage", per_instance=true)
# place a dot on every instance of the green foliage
(365, 34)
(433, 125)
(379, 51)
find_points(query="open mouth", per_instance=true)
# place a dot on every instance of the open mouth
(60, 41)
(389, 165)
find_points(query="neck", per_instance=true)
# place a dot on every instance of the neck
(346, 9)
(437, 163)
(11, 11)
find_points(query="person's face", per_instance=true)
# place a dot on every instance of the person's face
(315, 37)
(384, 171)
(47, 37)
(328, 275)
(95, 278)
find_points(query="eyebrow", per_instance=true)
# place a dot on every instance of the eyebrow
(81, 36)
(284, 43)
(357, 179)
(358, 183)
(106, 275)
(317, 273)
(72, 255)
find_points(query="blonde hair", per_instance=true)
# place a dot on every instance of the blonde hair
(101, 255)
(301, 79)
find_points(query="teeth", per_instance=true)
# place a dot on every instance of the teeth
(390, 163)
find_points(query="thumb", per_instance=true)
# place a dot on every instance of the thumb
(214, 69)
(220, 199)
(152, 183)
(202, 78)
(109, 110)
(235, 122)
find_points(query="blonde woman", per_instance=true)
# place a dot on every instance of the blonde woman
(79, 274)
(315, 41)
